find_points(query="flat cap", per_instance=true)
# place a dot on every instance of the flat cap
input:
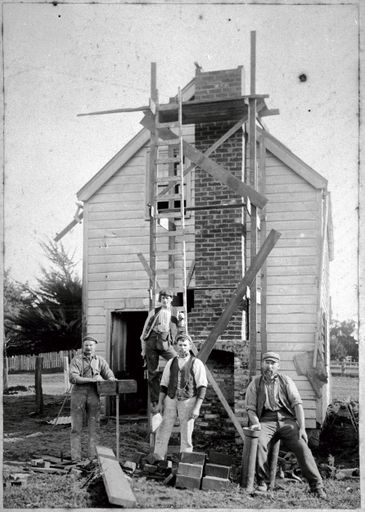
(89, 338)
(167, 292)
(271, 355)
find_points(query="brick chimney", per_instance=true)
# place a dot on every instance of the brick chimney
(219, 243)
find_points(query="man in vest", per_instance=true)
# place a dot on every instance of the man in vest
(274, 407)
(86, 369)
(182, 391)
(157, 338)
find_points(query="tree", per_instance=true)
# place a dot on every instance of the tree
(48, 317)
(342, 340)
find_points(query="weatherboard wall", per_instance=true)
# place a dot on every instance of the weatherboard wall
(116, 229)
(292, 270)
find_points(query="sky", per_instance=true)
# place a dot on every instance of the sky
(65, 59)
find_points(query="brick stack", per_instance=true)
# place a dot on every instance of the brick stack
(190, 470)
(217, 472)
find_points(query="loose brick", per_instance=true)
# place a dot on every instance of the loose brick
(217, 470)
(219, 458)
(193, 457)
(193, 470)
(187, 482)
(212, 483)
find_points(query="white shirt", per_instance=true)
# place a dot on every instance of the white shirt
(199, 372)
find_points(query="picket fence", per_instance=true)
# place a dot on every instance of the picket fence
(26, 363)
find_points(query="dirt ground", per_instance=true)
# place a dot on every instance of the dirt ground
(28, 436)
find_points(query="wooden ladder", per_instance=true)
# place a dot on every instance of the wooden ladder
(170, 221)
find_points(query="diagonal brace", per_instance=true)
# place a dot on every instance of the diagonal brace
(217, 171)
(236, 298)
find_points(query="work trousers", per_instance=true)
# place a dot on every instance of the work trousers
(156, 347)
(275, 426)
(84, 397)
(174, 408)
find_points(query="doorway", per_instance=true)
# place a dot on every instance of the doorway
(126, 361)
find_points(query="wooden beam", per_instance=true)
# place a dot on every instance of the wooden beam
(190, 273)
(215, 170)
(68, 228)
(253, 227)
(235, 300)
(38, 384)
(146, 266)
(209, 151)
(153, 189)
(219, 173)
(262, 185)
(269, 112)
(115, 481)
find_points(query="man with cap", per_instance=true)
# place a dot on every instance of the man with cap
(182, 391)
(86, 369)
(274, 407)
(157, 339)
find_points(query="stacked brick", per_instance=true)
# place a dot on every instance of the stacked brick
(195, 472)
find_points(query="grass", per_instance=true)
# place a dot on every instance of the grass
(27, 437)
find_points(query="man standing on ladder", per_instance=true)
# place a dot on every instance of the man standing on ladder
(158, 336)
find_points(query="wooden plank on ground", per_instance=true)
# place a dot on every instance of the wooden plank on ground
(115, 481)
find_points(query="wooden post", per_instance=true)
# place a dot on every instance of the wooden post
(5, 373)
(249, 458)
(38, 384)
(253, 231)
(66, 374)
(273, 463)
(153, 191)
(117, 425)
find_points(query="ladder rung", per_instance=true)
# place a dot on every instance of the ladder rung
(168, 178)
(175, 215)
(168, 106)
(168, 197)
(174, 252)
(169, 160)
(162, 271)
(169, 142)
(173, 124)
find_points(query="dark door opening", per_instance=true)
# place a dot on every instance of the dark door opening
(126, 361)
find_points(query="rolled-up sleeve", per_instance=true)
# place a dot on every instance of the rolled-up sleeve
(251, 397)
(105, 370)
(200, 375)
(75, 369)
(293, 393)
(165, 376)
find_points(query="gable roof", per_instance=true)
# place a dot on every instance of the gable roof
(125, 154)
(284, 154)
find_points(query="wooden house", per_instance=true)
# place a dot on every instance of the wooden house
(292, 287)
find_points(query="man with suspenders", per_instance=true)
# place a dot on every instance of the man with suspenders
(86, 369)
